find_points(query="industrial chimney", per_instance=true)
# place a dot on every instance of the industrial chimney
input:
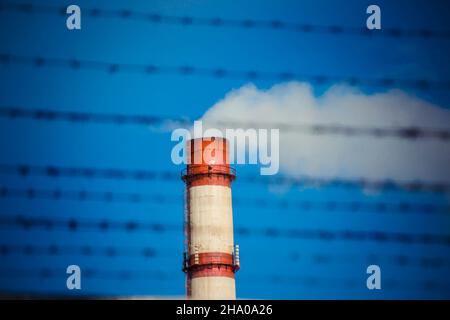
(210, 259)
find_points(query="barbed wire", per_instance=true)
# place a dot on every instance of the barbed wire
(410, 132)
(74, 224)
(160, 198)
(307, 281)
(314, 281)
(191, 70)
(55, 171)
(146, 252)
(89, 117)
(105, 225)
(122, 274)
(220, 22)
(399, 260)
(84, 250)
(84, 195)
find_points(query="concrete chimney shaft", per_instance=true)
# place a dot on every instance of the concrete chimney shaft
(210, 259)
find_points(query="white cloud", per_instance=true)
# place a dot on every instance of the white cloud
(344, 156)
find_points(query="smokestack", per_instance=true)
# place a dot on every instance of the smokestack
(210, 259)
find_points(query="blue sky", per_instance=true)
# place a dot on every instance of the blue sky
(133, 147)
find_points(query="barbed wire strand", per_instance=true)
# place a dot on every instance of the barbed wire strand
(55, 171)
(105, 225)
(87, 273)
(307, 281)
(303, 206)
(410, 132)
(191, 70)
(146, 252)
(83, 250)
(221, 22)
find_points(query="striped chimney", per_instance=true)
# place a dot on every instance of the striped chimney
(210, 259)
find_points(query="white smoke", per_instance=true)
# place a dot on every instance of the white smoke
(344, 156)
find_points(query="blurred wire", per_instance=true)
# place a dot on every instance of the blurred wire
(410, 133)
(123, 274)
(54, 171)
(219, 22)
(307, 281)
(105, 225)
(301, 205)
(74, 224)
(153, 253)
(400, 260)
(190, 70)
(85, 250)
(353, 283)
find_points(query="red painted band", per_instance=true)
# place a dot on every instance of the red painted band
(211, 264)
(208, 180)
(212, 258)
(193, 169)
(211, 271)
(198, 175)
